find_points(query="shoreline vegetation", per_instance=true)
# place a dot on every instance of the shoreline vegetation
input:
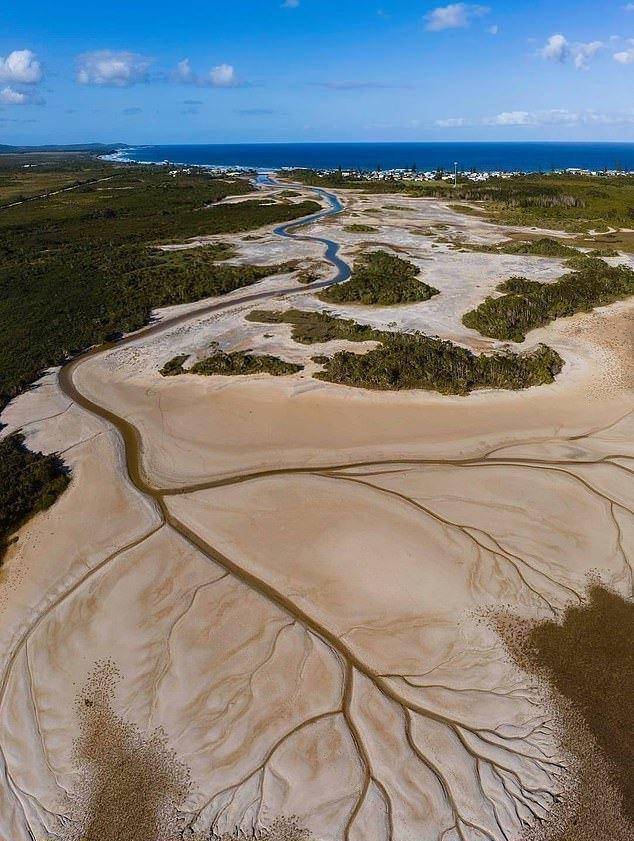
(81, 267)
(404, 361)
(527, 304)
(379, 278)
(29, 482)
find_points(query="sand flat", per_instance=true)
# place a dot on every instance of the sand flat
(310, 640)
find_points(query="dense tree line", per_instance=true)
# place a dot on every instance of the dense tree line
(29, 482)
(383, 279)
(412, 360)
(527, 304)
(79, 267)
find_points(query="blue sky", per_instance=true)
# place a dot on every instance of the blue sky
(316, 70)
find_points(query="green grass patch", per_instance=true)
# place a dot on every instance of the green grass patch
(404, 361)
(29, 482)
(528, 304)
(383, 279)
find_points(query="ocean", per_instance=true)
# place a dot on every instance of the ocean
(484, 157)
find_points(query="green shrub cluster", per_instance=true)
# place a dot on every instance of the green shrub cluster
(544, 247)
(528, 304)
(315, 327)
(29, 482)
(382, 279)
(79, 267)
(232, 364)
(357, 228)
(173, 367)
(412, 360)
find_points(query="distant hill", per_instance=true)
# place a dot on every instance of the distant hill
(77, 147)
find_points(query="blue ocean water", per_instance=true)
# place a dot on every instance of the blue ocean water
(526, 157)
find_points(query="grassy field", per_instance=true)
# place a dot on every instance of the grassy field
(80, 266)
(25, 176)
(382, 279)
(403, 361)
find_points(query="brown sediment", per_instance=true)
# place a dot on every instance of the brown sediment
(584, 664)
(130, 783)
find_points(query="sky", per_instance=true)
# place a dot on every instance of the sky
(214, 71)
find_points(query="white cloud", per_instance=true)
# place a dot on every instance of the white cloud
(290, 4)
(111, 68)
(453, 122)
(493, 30)
(21, 66)
(629, 7)
(10, 97)
(536, 119)
(584, 52)
(511, 118)
(184, 72)
(454, 16)
(559, 117)
(221, 76)
(556, 48)
(625, 56)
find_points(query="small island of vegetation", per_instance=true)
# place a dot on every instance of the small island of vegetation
(239, 363)
(382, 279)
(542, 247)
(528, 304)
(402, 361)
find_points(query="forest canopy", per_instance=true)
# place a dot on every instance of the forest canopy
(81, 266)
